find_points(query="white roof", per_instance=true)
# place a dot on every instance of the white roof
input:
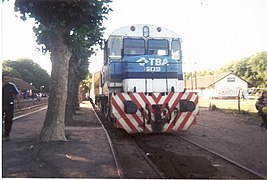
(138, 31)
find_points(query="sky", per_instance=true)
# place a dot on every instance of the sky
(214, 32)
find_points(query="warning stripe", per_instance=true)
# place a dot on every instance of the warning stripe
(174, 121)
(156, 99)
(119, 119)
(188, 122)
(123, 99)
(135, 121)
(184, 120)
(179, 117)
(124, 118)
(167, 100)
(135, 116)
(132, 122)
(181, 126)
(142, 95)
(139, 106)
(176, 101)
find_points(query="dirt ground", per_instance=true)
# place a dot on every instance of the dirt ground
(85, 154)
(235, 136)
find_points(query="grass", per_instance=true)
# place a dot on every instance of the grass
(246, 105)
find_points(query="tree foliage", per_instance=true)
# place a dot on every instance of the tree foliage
(80, 21)
(29, 71)
(67, 29)
(252, 69)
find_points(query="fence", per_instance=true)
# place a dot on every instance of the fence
(31, 103)
(247, 105)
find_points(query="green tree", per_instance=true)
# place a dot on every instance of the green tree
(60, 27)
(258, 70)
(29, 71)
(8, 69)
(252, 69)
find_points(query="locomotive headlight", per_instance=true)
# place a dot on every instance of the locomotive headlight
(145, 31)
(130, 107)
(186, 106)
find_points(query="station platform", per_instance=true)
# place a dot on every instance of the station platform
(86, 154)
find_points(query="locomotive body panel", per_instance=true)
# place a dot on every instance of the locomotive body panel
(152, 85)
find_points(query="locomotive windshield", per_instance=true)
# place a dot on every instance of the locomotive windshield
(115, 44)
(134, 46)
(176, 48)
(158, 47)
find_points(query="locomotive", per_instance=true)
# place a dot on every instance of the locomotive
(140, 86)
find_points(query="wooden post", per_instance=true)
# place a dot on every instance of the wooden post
(238, 101)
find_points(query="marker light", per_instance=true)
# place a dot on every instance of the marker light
(132, 28)
(145, 31)
(158, 29)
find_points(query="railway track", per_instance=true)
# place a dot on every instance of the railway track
(132, 161)
(161, 150)
(178, 157)
(29, 107)
(146, 157)
(252, 172)
(118, 166)
(28, 111)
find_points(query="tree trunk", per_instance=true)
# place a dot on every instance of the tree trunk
(77, 93)
(70, 104)
(54, 125)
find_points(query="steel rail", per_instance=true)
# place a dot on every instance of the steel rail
(152, 165)
(23, 115)
(223, 157)
(118, 166)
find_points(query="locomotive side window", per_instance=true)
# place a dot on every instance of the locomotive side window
(158, 47)
(115, 45)
(176, 49)
(133, 46)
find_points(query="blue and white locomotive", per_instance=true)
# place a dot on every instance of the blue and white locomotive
(142, 81)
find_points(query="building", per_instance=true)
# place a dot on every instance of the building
(226, 85)
(26, 89)
(21, 84)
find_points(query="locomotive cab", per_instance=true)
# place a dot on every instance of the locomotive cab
(140, 63)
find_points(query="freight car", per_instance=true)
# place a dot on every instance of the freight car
(141, 81)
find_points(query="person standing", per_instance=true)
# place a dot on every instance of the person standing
(9, 93)
(260, 104)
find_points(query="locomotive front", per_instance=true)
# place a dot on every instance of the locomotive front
(142, 81)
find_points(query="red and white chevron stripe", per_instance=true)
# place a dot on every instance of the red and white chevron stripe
(133, 123)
